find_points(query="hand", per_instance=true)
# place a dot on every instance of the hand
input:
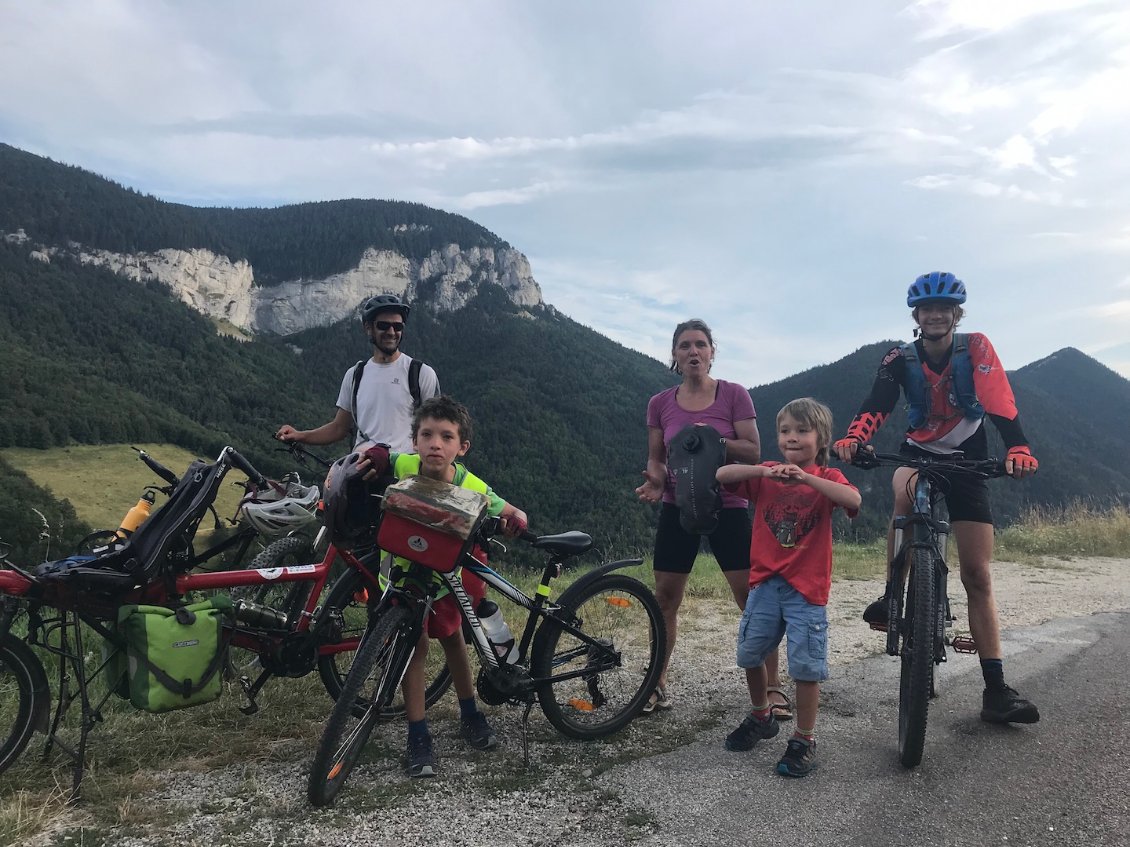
(1020, 463)
(846, 448)
(791, 474)
(288, 434)
(378, 462)
(514, 523)
(652, 490)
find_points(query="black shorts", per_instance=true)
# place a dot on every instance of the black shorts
(967, 497)
(676, 549)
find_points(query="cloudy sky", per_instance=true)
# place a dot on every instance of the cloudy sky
(780, 169)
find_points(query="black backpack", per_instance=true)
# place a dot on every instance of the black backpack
(693, 457)
(413, 388)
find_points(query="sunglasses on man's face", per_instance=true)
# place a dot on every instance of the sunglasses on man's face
(385, 326)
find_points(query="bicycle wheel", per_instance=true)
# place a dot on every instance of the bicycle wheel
(592, 691)
(916, 679)
(372, 681)
(24, 697)
(348, 600)
(288, 597)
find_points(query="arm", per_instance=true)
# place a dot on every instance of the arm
(747, 446)
(876, 408)
(995, 393)
(655, 475)
(731, 475)
(845, 496)
(328, 433)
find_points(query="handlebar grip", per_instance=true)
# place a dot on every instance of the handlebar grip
(157, 467)
(528, 537)
(240, 463)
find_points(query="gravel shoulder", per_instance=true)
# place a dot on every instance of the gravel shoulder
(563, 795)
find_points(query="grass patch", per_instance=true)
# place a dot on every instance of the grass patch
(103, 481)
(1075, 531)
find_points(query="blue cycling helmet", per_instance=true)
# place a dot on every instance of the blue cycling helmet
(936, 286)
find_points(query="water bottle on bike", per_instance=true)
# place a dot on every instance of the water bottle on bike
(497, 631)
(136, 516)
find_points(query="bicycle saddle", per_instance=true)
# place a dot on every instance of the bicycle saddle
(565, 543)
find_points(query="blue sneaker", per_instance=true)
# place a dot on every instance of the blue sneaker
(799, 758)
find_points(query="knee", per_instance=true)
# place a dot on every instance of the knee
(977, 578)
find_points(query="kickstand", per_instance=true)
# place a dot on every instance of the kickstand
(526, 736)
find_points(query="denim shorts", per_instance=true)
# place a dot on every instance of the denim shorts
(774, 610)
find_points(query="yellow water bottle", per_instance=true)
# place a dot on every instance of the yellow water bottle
(136, 516)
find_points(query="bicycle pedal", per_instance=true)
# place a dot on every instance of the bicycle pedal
(963, 644)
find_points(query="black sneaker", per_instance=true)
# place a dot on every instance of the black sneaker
(477, 732)
(421, 761)
(751, 730)
(799, 758)
(876, 613)
(1005, 705)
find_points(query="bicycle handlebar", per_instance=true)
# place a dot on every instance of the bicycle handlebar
(987, 468)
(237, 461)
(157, 468)
(300, 453)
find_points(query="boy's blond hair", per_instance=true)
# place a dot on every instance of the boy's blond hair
(815, 414)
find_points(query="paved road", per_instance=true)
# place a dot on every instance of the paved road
(1064, 781)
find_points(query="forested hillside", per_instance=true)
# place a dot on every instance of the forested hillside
(56, 203)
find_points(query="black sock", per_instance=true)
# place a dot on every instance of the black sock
(993, 671)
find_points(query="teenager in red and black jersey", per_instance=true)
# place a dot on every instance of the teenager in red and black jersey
(952, 383)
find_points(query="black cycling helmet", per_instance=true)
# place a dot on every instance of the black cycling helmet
(351, 513)
(383, 303)
(938, 286)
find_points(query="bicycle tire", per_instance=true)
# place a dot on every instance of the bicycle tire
(24, 697)
(288, 597)
(375, 675)
(344, 600)
(622, 612)
(917, 672)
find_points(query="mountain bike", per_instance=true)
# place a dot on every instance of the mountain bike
(919, 621)
(53, 607)
(591, 659)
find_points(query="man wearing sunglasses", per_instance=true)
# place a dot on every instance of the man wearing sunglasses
(378, 395)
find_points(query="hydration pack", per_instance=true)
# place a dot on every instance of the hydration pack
(693, 458)
(963, 393)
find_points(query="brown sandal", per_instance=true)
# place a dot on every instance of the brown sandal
(781, 711)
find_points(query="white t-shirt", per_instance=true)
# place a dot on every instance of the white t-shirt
(384, 401)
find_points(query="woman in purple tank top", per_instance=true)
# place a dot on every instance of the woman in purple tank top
(726, 406)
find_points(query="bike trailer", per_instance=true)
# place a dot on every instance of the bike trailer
(174, 656)
(430, 522)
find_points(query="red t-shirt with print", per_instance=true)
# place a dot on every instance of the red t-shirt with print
(792, 532)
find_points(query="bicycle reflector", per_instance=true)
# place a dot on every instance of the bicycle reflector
(581, 705)
(619, 602)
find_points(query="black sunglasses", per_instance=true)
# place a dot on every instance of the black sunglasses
(385, 326)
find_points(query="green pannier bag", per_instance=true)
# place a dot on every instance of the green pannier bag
(174, 656)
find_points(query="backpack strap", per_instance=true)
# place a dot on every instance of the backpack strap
(962, 370)
(358, 369)
(917, 399)
(413, 383)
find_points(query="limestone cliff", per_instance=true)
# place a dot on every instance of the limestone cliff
(216, 286)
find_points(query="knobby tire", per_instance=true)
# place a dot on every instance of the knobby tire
(373, 680)
(346, 597)
(24, 697)
(624, 615)
(917, 677)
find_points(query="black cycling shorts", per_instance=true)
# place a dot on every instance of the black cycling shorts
(676, 549)
(967, 497)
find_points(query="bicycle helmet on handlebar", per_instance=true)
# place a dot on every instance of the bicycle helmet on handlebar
(350, 511)
(938, 286)
(383, 303)
(277, 513)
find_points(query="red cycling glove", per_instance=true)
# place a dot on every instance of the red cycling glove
(378, 458)
(1022, 459)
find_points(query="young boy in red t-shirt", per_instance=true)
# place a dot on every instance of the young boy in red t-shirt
(790, 573)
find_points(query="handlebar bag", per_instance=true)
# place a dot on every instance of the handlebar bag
(430, 522)
(174, 656)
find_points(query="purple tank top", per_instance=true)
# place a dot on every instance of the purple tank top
(731, 403)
